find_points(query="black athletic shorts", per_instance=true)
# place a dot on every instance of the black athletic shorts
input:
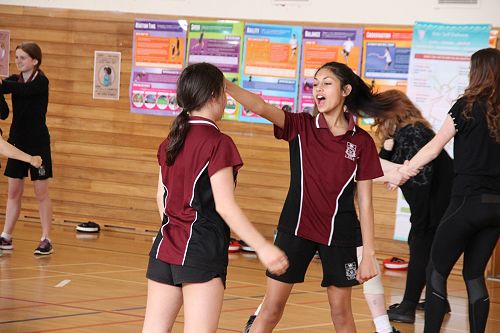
(340, 264)
(176, 275)
(19, 169)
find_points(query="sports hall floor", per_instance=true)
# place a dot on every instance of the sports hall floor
(96, 283)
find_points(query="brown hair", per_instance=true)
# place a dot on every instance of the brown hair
(395, 110)
(484, 85)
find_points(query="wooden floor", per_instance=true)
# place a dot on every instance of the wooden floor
(96, 284)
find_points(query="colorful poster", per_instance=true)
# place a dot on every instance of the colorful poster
(106, 75)
(386, 57)
(271, 66)
(4, 52)
(218, 43)
(157, 60)
(322, 45)
(438, 74)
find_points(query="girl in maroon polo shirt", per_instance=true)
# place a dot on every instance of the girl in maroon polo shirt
(327, 154)
(198, 168)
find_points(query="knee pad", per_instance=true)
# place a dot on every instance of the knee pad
(374, 285)
(476, 289)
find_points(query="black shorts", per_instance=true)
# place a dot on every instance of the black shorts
(19, 169)
(340, 264)
(176, 275)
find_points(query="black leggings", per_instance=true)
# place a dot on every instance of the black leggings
(471, 225)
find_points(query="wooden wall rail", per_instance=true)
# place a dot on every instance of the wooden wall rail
(104, 157)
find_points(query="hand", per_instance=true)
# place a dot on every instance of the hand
(389, 144)
(407, 170)
(36, 161)
(395, 177)
(366, 269)
(273, 259)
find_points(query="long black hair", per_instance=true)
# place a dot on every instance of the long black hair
(197, 84)
(359, 100)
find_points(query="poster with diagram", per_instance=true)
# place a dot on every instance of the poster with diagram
(218, 43)
(271, 66)
(157, 60)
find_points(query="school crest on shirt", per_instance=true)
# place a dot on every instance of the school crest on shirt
(350, 270)
(350, 151)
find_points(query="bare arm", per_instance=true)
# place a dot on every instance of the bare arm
(159, 196)
(367, 268)
(253, 102)
(10, 151)
(391, 173)
(431, 150)
(223, 189)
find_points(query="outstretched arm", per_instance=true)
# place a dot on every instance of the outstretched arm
(223, 189)
(251, 101)
(10, 151)
(431, 150)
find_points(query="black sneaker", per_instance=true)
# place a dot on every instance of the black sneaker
(249, 323)
(6, 244)
(44, 248)
(401, 313)
(88, 227)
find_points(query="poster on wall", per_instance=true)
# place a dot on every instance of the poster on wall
(386, 57)
(106, 75)
(438, 74)
(4, 52)
(218, 43)
(270, 66)
(322, 45)
(493, 38)
(158, 55)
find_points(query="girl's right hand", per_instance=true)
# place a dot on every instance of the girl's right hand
(273, 258)
(36, 161)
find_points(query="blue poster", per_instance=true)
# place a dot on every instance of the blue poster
(271, 66)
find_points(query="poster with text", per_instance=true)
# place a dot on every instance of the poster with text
(271, 66)
(4, 52)
(157, 60)
(438, 74)
(106, 75)
(322, 45)
(386, 57)
(218, 43)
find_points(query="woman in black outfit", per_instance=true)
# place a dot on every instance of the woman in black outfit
(28, 132)
(471, 224)
(404, 131)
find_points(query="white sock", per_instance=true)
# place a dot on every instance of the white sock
(6, 236)
(382, 324)
(45, 237)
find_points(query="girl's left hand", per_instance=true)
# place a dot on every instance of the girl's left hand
(366, 269)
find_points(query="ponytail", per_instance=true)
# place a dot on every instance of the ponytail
(177, 135)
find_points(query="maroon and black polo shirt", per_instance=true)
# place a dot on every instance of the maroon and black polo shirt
(193, 233)
(323, 167)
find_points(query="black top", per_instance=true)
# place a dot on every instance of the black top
(428, 192)
(29, 107)
(4, 110)
(477, 155)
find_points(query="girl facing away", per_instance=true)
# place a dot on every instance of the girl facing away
(328, 154)
(404, 131)
(198, 169)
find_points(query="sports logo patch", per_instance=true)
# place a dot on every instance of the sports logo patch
(350, 270)
(350, 151)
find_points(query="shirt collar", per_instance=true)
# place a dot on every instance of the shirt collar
(197, 120)
(321, 122)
